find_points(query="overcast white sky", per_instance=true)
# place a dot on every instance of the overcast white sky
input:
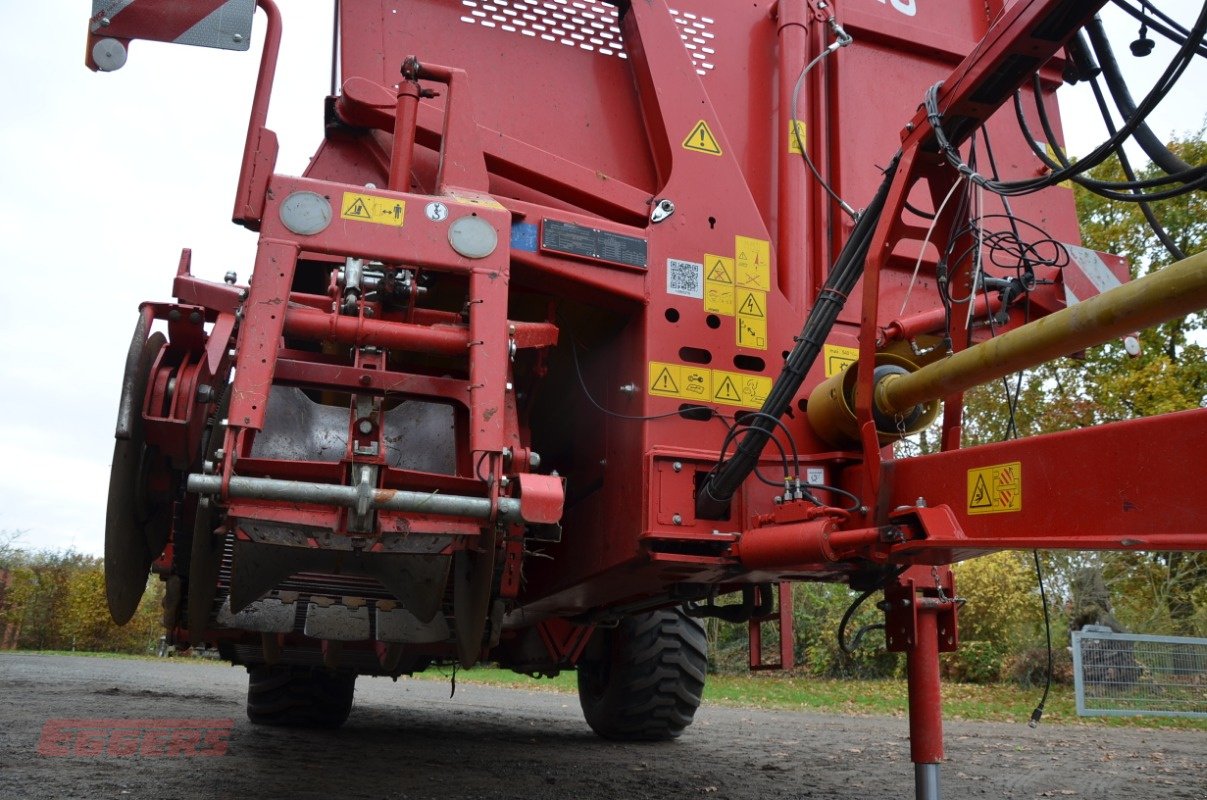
(107, 176)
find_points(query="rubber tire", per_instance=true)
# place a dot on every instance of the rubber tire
(304, 697)
(648, 683)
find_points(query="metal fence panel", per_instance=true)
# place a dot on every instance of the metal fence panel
(1127, 674)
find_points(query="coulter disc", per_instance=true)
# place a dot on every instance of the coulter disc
(127, 555)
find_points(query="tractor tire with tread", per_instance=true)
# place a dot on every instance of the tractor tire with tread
(648, 682)
(307, 697)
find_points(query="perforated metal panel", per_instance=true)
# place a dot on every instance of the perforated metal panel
(586, 26)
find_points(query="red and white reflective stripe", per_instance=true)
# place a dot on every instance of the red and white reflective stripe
(1087, 274)
(206, 23)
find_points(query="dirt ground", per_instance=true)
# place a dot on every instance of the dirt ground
(411, 740)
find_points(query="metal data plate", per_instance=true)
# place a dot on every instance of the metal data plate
(227, 27)
(577, 240)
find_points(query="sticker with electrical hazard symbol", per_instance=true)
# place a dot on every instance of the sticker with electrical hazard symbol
(839, 358)
(701, 140)
(752, 319)
(796, 136)
(371, 208)
(703, 385)
(718, 284)
(996, 489)
(752, 259)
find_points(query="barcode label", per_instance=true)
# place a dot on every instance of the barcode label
(684, 278)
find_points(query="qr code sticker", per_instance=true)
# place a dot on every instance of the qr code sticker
(684, 278)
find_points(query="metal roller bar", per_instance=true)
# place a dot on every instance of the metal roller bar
(1172, 292)
(353, 496)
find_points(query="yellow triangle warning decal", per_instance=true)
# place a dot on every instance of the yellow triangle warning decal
(727, 392)
(751, 307)
(665, 383)
(358, 209)
(719, 273)
(980, 495)
(701, 140)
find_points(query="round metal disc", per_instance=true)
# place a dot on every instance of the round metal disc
(127, 557)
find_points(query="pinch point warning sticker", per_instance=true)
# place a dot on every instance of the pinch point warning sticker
(996, 489)
(363, 207)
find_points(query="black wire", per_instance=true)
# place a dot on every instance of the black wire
(1038, 713)
(587, 392)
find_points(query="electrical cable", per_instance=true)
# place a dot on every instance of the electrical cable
(1038, 713)
(587, 393)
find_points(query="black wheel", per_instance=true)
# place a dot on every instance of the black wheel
(309, 697)
(645, 680)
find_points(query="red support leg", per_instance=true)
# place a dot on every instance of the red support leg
(920, 621)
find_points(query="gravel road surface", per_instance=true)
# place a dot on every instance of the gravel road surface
(411, 740)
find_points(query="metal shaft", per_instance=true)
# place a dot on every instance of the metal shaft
(351, 496)
(1172, 292)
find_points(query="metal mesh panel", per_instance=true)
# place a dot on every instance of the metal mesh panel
(590, 26)
(1123, 674)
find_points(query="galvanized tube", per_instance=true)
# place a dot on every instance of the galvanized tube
(349, 496)
(1172, 292)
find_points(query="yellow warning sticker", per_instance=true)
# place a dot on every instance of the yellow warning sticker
(703, 385)
(752, 319)
(1052, 155)
(752, 303)
(796, 136)
(371, 208)
(718, 284)
(701, 140)
(996, 489)
(738, 389)
(752, 332)
(752, 261)
(839, 358)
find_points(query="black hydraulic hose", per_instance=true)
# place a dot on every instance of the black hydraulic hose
(1170, 245)
(716, 493)
(1144, 136)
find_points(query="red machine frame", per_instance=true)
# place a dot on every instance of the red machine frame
(673, 201)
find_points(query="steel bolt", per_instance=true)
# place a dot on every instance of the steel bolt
(365, 426)
(231, 277)
(238, 37)
(205, 393)
(195, 317)
(534, 460)
(174, 315)
(630, 388)
(677, 519)
(677, 466)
